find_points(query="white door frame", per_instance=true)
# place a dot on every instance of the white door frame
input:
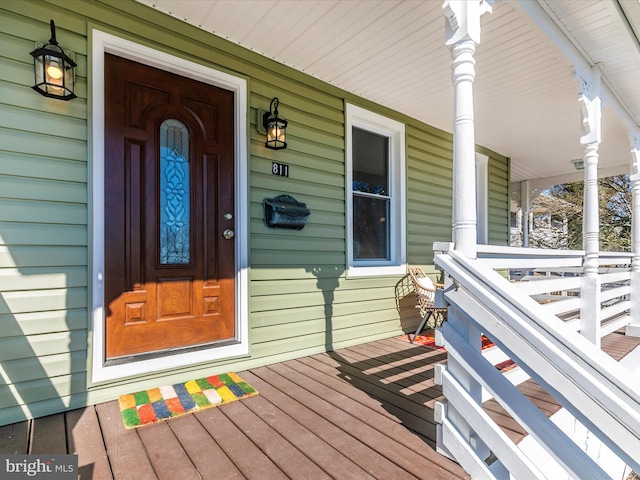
(106, 43)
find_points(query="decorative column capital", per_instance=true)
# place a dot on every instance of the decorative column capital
(463, 19)
(590, 102)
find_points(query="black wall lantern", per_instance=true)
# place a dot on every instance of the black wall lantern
(275, 126)
(53, 70)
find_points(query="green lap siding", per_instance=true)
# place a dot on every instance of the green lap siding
(499, 195)
(300, 299)
(43, 225)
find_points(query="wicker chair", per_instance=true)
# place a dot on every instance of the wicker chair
(425, 295)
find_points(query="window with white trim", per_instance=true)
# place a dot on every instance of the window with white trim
(376, 205)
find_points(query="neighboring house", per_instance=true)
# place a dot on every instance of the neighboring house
(547, 223)
(549, 228)
(134, 247)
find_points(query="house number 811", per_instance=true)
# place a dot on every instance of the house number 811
(280, 169)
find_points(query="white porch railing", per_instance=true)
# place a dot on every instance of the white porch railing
(535, 321)
(552, 278)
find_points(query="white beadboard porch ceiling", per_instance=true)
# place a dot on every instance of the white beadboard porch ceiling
(392, 52)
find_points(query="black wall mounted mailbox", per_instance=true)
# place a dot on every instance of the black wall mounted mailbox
(285, 211)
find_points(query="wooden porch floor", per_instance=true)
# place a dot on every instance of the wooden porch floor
(356, 413)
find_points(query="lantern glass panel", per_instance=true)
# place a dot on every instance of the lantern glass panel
(39, 69)
(55, 67)
(276, 132)
(69, 77)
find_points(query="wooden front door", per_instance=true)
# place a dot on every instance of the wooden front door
(169, 211)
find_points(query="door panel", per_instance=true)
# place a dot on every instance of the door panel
(169, 272)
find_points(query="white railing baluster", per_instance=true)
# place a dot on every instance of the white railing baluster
(590, 308)
(474, 339)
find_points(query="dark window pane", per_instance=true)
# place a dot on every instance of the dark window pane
(370, 228)
(370, 162)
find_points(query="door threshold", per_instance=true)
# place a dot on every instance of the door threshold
(166, 353)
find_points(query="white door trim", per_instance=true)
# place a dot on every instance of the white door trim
(105, 43)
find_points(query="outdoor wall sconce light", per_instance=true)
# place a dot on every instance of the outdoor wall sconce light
(275, 126)
(53, 70)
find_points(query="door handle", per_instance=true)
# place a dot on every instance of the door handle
(228, 234)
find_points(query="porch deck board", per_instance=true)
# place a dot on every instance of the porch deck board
(617, 344)
(252, 462)
(363, 412)
(206, 455)
(83, 435)
(127, 455)
(386, 436)
(311, 445)
(391, 420)
(50, 436)
(166, 454)
(545, 402)
(407, 410)
(14, 438)
(330, 424)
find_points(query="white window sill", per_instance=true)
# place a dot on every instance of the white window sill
(375, 270)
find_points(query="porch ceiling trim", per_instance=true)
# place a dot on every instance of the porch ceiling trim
(392, 52)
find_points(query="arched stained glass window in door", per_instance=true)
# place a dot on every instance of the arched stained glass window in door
(175, 198)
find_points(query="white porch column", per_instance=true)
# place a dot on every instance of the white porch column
(634, 325)
(590, 137)
(462, 36)
(525, 204)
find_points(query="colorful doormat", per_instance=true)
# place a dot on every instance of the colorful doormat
(429, 340)
(150, 406)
